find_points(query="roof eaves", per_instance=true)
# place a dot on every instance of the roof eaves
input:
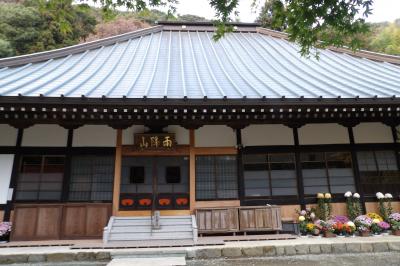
(57, 53)
(361, 54)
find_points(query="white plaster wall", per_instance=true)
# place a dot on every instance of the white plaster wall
(372, 133)
(8, 135)
(94, 136)
(45, 135)
(6, 165)
(256, 135)
(181, 134)
(215, 136)
(323, 134)
(128, 134)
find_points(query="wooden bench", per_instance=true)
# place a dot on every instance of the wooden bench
(238, 219)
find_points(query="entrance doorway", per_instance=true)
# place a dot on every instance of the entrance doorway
(155, 183)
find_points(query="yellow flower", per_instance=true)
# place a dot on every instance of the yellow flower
(301, 218)
(310, 226)
(320, 195)
(328, 195)
(375, 221)
(374, 215)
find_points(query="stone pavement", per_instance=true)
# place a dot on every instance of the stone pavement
(367, 259)
(276, 249)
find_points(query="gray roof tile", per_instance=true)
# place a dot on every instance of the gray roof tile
(159, 63)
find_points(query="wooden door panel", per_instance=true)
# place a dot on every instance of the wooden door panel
(24, 223)
(48, 222)
(74, 221)
(97, 219)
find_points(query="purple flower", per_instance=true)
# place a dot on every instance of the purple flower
(341, 219)
(363, 220)
(5, 228)
(384, 225)
(303, 212)
(395, 216)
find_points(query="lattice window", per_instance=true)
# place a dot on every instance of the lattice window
(270, 175)
(216, 177)
(378, 172)
(40, 178)
(327, 172)
(91, 178)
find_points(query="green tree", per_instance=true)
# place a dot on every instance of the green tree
(387, 40)
(38, 25)
(20, 29)
(153, 15)
(273, 15)
(6, 49)
(191, 18)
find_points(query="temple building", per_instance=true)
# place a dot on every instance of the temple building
(167, 120)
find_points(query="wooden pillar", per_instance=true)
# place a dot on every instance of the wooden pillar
(117, 172)
(356, 170)
(299, 172)
(192, 171)
(14, 176)
(396, 145)
(68, 165)
(240, 170)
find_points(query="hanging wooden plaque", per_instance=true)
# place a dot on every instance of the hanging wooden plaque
(156, 141)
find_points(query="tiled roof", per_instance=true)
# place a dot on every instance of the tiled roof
(184, 62)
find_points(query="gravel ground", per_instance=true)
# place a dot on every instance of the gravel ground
(365, 259)
(83, 263)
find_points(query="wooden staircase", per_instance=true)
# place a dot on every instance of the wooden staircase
(123, 229)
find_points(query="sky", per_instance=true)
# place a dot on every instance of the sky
(383, 10)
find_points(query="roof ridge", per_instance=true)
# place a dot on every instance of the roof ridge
(394, 59)
(65, 51)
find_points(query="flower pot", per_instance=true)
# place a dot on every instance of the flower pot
(4, 239)
(364, 234)
(396, 232)
(329, 234)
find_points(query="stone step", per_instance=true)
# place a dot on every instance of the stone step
(138, 229)
(138, 236)
(165, 261)
(148, 218)
(144, 223)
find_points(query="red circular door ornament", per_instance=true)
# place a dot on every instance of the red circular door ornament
(182, 201)
(145, 202)
(164, 202)
(127, 202)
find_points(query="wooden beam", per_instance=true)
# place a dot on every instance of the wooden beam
(180, 150)
(117, 172)
(215, 151)
(192, 171)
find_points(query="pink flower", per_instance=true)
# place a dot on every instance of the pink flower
(384, 225)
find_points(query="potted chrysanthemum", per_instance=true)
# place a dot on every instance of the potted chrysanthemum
(375, 228)
(328, 229)
(5, 230)
(363, 224)
(394, 220)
